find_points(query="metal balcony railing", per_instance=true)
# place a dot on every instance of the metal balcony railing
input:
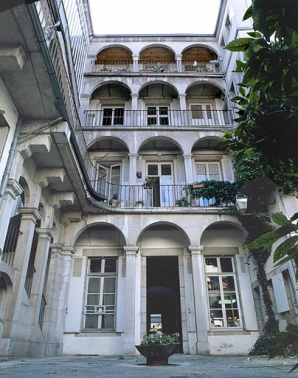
(157, 196)
(162, 117)
(155, 66)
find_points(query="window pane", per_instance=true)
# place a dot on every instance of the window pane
(231, 301)
(233, 318)
(109, 285)
(94, 285)
(91, 321)
(211, 265)
(226, 265)
(166, 170)
(228, 283)
(216, 318)
(151, 110)
(110, 265)
(95, 265)
(153, 169)
(215, 301)
(213, 283)
(109, 299)
(118, 116)
(107, 117)
(92, 299)
(107, 321)
(163, 110)
(213, 172)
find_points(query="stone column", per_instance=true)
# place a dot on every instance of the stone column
(52, 346)
(42, 252)
(134, 119)
(13, 189)
(183, 111)
(179, 62)
(201, 309)
(130, 300)
(132, 178)
(135, 58)
(14, 316)
(188, 166)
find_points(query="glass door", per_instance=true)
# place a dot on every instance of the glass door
(162, 191)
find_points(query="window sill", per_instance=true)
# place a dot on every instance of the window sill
(227, 332)
(87, 333)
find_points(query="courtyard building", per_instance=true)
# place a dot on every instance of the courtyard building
(104, 140)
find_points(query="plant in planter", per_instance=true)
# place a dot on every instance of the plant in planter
(158, 347)
(182, 202)
(114, 201)
(149, 182)
(139, 203)
(224, 192)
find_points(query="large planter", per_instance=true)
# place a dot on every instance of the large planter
(157, 354)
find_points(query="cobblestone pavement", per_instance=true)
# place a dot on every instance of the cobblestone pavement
(180, 366)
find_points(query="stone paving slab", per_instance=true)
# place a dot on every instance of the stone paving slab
(180, 366)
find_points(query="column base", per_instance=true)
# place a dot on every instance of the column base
(203, 347)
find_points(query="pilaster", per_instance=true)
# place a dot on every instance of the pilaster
(130, 304)
(188, 166)
(200, 296)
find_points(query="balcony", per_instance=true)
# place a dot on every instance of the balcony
(157, 196)
(118, 117)
(155, 67)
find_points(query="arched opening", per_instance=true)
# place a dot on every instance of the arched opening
(114, 59)
(198, 59)
(157, 59)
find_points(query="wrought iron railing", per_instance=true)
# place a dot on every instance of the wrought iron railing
(155, 66)
(162, 117)
(156, 196)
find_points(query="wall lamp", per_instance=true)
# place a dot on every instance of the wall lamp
(241, 202)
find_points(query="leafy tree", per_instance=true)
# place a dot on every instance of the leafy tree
(265, 140)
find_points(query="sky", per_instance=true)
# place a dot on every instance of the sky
(154, 16)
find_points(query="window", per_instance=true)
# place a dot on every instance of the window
(222, 292)
(157, 115)
(201, 114)
(207, 171)
(100, 305)
(112, 116)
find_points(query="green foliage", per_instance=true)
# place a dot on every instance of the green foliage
(224, 192)
(159, 338)
(288, 249)
(183, 202)
(268, 108)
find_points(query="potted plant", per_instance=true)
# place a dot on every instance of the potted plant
(114, 201)
(158, 347)
(149, 182)
(139, 203)
(182, 202)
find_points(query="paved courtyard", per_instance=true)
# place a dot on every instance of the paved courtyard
(180, 366)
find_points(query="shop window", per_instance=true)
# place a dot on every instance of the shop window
(222, 292)
(100, 308)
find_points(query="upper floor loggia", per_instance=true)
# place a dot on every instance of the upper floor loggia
(155, 59)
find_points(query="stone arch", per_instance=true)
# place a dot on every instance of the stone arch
(159, 82)
(156, 142)
(156, 52)
(209, 142)
(113, 84)
(100, 145)
(196, 50)
(114, 52)
(100, 231)
(223, 235)
(209, 83)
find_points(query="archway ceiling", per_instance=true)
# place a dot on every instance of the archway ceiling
(157, 53)
(111, 90)
(203, 89)
(114, 54)
(160, 145)
(108, 144)
(159, 90)
(198, 54)
(208, 144)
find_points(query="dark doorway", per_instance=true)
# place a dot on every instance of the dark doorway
(163, 295)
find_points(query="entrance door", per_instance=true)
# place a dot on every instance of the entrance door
(163, 295)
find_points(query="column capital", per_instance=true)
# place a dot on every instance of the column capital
(182, 95)
(30, 213)
(178, 56)
(56, 249)
(13, 188)
(196, 250)
(187, 156)
(45, 233)
(133, 155)
(68, 251)
(131, 249)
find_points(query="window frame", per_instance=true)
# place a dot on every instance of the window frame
(113, 116)
(158, 115)
(100, 309)
(236, 322)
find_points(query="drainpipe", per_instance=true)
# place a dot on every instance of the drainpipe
(9, 162)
